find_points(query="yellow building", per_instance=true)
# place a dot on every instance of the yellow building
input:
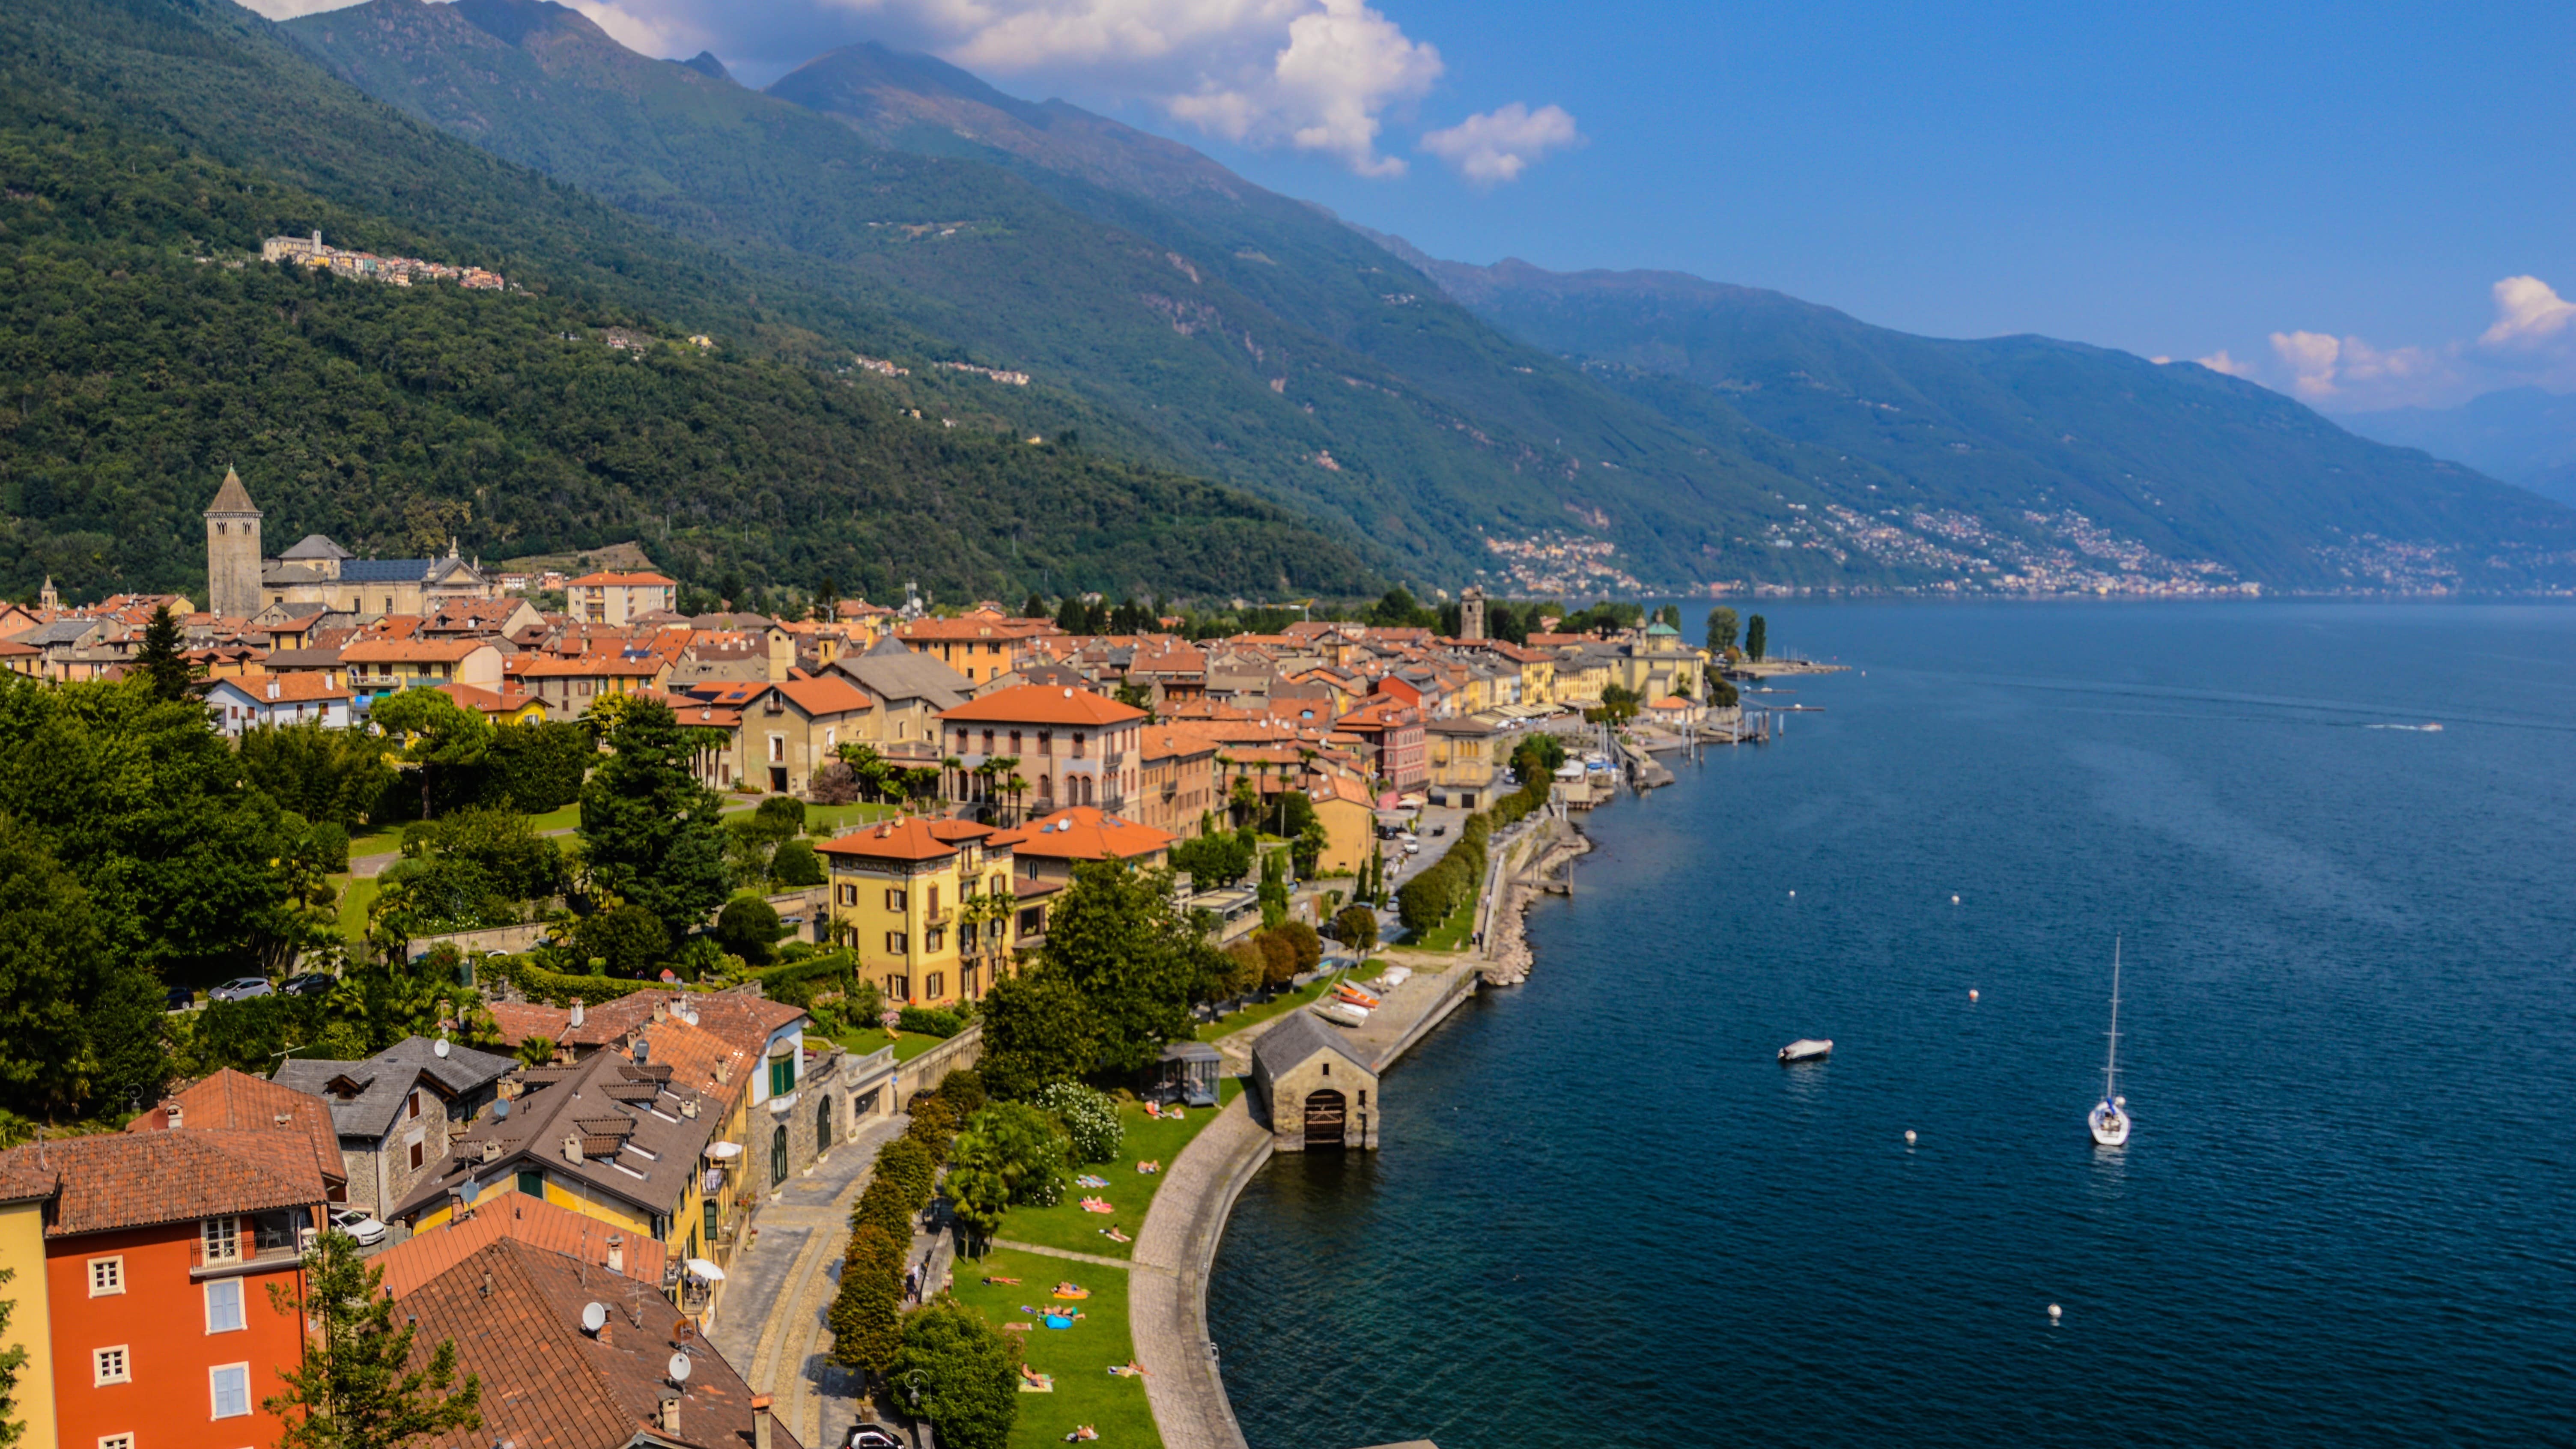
(605, 1137)
(23, 1195)
(380, 666)
(925, 906)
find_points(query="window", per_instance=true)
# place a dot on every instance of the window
(106, 1275)
(533, 1184)
(930, 985)
(849, 895)
(934, 905)
(894, 898)
(778, 1157)
(115, 1441)
(934, 939)
(1015, 742)
(988, 742)
(224, 1306)
(895, 943)
(1078, 738)
(1046, 745)
(223, 1239)
(782, 1074)
(110, 1366)
(415, 1155)
(778, 749)
(231, 1383)
(411, 1105)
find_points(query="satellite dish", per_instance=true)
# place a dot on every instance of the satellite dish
(679, 1368)
(594, 1317)
(441, 1047)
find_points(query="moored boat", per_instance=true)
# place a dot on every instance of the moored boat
(1807, 1049)
(1341, 1013)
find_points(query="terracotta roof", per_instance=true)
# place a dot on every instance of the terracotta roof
(489, 701)
(700, 1058)
(548, 666)
(973, 626)
(232, 497)
(1042, 704)
(612, 579)
(834, 695)
(137, 1179)
(239, 1101)
(301, 687)
(1165, 744)
(737, 1016)
(415, 1261)
(908, 838)
(513, 1310)
(1084, 832)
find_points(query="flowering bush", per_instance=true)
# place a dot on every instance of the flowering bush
(1089, 1117)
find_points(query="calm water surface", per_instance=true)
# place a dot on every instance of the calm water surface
(1604, 1215)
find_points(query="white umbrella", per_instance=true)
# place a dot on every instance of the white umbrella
(704, 1271)
(721, 1150)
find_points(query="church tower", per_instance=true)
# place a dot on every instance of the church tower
(1471, 613)
(232, 551)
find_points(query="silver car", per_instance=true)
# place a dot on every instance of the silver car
(366, 1230)
(242, 988)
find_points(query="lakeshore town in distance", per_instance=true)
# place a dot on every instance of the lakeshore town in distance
(497, 1057)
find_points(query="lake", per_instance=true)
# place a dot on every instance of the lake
(1605, 1215)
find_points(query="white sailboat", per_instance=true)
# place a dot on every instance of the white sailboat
(2109, 1119)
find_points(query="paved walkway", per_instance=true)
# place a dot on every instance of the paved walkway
(771, 1323)
(1167, 1285)
(1062, 1253)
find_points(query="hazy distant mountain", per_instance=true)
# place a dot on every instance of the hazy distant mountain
(2522, 435)
(2188, 462)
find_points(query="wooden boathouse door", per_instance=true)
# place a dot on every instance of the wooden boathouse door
(1326, 1111)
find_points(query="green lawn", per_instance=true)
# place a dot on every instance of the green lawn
(1149, 1139)
(823, 821)
(355, 897)
(1451, 934)
(907, 1045)
(1079, 1357)
(1233, 1022)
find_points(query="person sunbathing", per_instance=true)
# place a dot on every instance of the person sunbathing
(1112, 1234)
(1096, 1205)
(1081, 1432)
(998, 1280)
(1036, 1380)
(1154, 1166)
(1071, 1291)
(1128, 1370)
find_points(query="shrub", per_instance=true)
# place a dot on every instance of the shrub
(795, 864)
(630, 939)
(781, 816)
(1250, 966)
(748, 927)
(867, 1314)
(330, 845)
(930, 1021)
(934, 1124)
(1090, 1119)
(1025, 1147)
(886, 1205)
(558, 988)
(909, 1166)
(963, 1091)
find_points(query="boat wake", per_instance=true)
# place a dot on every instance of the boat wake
(2421, 729)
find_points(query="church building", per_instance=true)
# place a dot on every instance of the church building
(241, 579)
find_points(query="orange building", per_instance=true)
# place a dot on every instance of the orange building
(159, 1251)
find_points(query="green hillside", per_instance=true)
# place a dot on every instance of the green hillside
(2188, 462)
(147, 147)
(1251, 337)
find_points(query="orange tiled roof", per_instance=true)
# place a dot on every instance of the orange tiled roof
(138, 1179)
(417, 1260)
(908, 838)
(833, 695)
(1040, 704)
(1084, 832)
(239, 1101)
(299, 687)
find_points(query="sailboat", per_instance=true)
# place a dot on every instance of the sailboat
(2109, 1119)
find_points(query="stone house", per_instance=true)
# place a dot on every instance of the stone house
(1311, 1090)
(396, 1112)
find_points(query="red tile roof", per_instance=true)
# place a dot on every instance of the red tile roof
(137, 1179)
(909, 838)
(300, 687)
(237, 1100)
(1084, 832)
(410, 651)
(833, 695)
(1041, 704)
(415, 1261)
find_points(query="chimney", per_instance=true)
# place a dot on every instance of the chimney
(491, 1149)
(572, 1147)
(760, 1421)
(170, 1115)
(603, 1333)
(724, 1073)
(616, 1252)
(689, 1108)
(576, 1012)
(671, 1417)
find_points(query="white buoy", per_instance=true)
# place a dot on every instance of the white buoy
(1972, 993)
(1909, 1136)
(2054, 1312)
(1954, 900)
(1793, 895)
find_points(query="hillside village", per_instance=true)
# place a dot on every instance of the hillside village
(524, 1137)
(311, 251)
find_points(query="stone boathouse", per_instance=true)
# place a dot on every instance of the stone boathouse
(1310, 1088)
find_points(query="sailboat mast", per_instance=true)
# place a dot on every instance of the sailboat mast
(2111, 1068)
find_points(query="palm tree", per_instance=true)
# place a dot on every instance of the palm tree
(1018, 788)
(1002, 777)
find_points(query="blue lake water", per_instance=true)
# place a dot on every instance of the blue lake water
(1605, 1215)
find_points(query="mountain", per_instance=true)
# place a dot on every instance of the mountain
(2522, 435)
(148, 146)
(2023, 444)
(1228, 330)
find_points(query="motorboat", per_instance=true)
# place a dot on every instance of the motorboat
(1807, 1049)
(2109, 1119)
(1341, 1013)
(1347, 992)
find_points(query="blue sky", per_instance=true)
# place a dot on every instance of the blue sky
(2183, 179)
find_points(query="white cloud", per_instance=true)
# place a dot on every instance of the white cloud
(1323, 76)
(2528, 312)
(2219, 361)
(1500, 144)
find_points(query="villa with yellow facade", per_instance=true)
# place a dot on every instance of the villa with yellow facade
(927, 907)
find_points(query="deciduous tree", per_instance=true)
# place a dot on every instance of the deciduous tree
(960, 1373)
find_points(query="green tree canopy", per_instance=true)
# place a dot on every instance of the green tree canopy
(1757, 637)
(442, 741)
(79, 1024)
(960, 1373)
(1117, 939)
(357, 1387)
(651, 833)
(1721, 629)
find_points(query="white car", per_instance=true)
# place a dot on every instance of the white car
(1412, 846)
(366, 1230)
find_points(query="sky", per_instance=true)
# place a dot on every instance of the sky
(2364, 205)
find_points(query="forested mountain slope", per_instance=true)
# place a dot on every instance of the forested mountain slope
(1249, 336)
(2019, 431)
(146, 148)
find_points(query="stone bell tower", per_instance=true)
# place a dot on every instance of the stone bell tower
(1471, 613)
(232, 551)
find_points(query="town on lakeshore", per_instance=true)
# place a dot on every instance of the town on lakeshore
(755, 1009)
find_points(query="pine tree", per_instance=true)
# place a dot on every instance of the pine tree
(355, 1388)
(158, 662)
(1757, 637)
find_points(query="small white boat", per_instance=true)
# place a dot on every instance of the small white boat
(1807, 1049)
(1395, 976)
(1341, 1013)
(2109, 1119)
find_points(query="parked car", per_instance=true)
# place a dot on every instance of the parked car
(1412, 846)
(358, 1225)
(1439, 829)
(874, 1436)
(242, 988)
(178, 998)
(311, 983)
